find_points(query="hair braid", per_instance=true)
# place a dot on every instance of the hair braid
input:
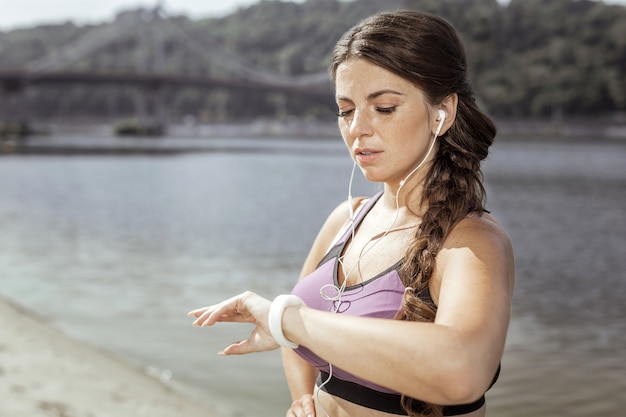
(453, 189)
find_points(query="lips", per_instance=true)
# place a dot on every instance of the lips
(366, 155)
(365, 151)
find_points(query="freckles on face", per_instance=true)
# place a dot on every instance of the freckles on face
(383, 118)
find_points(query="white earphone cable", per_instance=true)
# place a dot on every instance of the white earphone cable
(339, 290)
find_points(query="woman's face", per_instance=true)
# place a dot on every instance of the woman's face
(384, 120)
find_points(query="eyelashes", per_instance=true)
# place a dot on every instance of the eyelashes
(386, 110)
(383, 110)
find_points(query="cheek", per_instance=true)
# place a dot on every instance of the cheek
(416, 129)
(345, 135)
(411, 138)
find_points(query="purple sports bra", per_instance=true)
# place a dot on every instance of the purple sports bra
(380, 296)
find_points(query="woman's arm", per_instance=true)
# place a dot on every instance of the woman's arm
(301, 378)
(451, 361)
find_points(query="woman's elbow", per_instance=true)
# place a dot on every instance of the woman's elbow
(463, 385)
(461, 390)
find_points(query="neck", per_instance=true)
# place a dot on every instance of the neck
(413, 179)
(406, 197)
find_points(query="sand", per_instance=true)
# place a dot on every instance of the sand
(44, 373)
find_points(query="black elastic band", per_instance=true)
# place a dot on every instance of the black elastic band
(381, 401)
(358, 394)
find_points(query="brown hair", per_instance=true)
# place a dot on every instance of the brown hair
(427, 51)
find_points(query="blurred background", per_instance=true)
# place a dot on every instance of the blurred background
(158, 156)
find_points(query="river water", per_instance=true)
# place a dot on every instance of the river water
(116, 248)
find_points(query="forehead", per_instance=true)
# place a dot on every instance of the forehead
(359, 78)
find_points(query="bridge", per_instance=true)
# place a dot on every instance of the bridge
(150, 76)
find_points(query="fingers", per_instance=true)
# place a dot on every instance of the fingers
(202, 316)
(197, 312)
(238, 348)
(308, 404)
(244, 308)
(303, 407)
(210, 317)
(224, 311)
(259, 341)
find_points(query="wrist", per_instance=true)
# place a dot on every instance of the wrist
(275, 318)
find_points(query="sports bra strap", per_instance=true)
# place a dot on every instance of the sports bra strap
(361, 211)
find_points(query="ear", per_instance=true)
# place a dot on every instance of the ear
(448, 105)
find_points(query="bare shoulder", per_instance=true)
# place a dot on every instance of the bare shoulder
(337, 217)
(477, 256)
(477, 230)
(336, 221)
(479, 245)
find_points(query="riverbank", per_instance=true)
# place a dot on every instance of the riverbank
(613, 127)
(44, 373)
(97, 138)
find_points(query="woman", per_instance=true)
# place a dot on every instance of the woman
(404, 301)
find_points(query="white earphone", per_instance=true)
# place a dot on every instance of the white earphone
(441, 116)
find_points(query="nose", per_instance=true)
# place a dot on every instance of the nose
(360, 124)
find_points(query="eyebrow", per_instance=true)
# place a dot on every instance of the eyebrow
(374, 95)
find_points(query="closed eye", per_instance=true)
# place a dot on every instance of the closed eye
(344, 113)
(386, 109)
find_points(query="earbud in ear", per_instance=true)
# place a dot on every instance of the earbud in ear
(441, 116)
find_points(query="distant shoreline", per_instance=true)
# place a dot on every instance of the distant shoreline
(105, 142)
(568, 129)
(609, 127)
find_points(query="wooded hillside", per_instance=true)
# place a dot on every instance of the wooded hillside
(532, 58)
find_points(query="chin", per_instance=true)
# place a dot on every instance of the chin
(368, 174)
(373, 176)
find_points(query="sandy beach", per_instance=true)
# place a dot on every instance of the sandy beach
(44, 373)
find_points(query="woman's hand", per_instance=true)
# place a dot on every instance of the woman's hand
(302, 407)
(244, 308)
